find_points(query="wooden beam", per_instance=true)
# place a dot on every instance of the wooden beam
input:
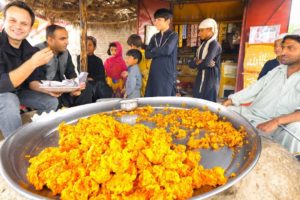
(198, 1)
(93, 10)
(83, 32)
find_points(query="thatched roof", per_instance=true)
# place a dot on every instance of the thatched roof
(99, 11)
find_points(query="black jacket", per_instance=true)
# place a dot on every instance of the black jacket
(95, 68)
(268, 66)
(11, 60)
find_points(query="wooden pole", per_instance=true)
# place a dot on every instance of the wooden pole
(83, 33)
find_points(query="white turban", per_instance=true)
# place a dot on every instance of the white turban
(281, 36)
(296, 32)
(208, 23)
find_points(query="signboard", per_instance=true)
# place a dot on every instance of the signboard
(263, 34)
(294, 16)
(256, 55)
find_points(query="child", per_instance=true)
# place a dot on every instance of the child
(207, 61)
(96, 72)
(135, 42)
(134, 79)
(162, 49)
(114, 66)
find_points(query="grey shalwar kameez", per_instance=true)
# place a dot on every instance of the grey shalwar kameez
(273, 95)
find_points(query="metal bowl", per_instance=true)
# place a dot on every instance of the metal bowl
(32, 138)
(129, 104)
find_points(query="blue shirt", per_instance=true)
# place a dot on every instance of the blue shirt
(134, 82)
(268, 66)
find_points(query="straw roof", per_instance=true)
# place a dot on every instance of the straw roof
(99, 11)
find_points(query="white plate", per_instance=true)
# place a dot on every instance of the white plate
(60, 89)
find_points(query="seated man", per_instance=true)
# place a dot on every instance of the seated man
(275, 98)
(61, 67)
(18, 59)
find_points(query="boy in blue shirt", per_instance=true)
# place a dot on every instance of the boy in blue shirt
(134, 78)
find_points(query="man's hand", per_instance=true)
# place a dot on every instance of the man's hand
(41, 57)
(82, 86)
(228, 102)
(198, 61)
(124, 74)
(54, 94)
(268, 126)
(77, 92)
(212, 63)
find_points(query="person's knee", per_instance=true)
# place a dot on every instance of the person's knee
(52, 103)
(10, 118)
(48, 104)
(10, 102)
(88, 90)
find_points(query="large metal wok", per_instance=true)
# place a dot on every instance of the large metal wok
(33, 137)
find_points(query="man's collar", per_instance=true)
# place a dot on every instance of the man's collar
(25, 47)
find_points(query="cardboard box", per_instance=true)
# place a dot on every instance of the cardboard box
(228, 79)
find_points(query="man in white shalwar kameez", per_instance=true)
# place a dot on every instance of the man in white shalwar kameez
(275, 99)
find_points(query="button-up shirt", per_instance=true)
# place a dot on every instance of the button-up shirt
(273, 95)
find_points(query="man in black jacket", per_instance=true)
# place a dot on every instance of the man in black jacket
(18, 59)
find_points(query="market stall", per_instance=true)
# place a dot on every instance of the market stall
(187, 16)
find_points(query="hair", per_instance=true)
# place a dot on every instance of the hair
(52, 28)
(93, 40)
(135, 40)
(112, 44)
(22, 5)
(292, 37)
(163, 13)
(136, 54)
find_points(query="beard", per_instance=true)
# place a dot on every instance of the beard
(291, 62)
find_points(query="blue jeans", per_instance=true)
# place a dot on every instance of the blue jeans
(10, 118)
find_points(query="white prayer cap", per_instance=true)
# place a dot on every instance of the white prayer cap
(296, 32)
(281, 36)
(209, 23)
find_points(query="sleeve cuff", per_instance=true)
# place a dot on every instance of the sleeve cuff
(234, 99)
(5, 83)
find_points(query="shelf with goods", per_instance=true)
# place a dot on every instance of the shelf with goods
(186, 75)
